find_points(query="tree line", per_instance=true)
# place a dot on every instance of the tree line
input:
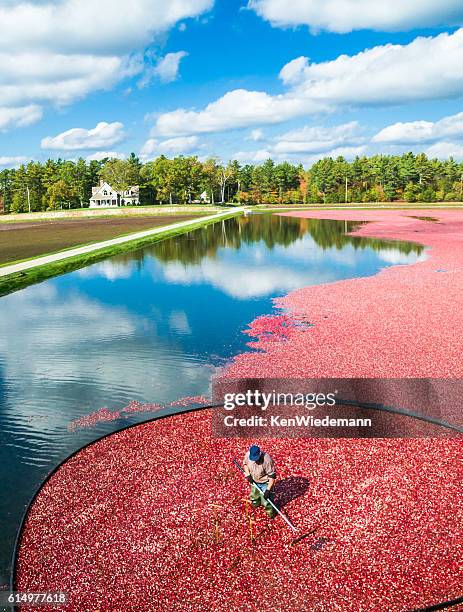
(57, 184)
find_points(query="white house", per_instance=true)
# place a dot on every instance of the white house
(103, 195)
(204, 198)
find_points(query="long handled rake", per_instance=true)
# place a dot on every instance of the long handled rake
(283, 516)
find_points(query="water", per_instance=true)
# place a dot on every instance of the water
(151, 325)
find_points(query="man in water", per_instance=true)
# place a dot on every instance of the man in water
(260, 470)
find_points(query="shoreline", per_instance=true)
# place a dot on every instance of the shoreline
(398, 323)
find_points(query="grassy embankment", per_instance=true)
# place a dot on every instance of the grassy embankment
(18, 280)
(27, 240)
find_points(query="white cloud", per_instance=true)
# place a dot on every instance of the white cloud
(171, 146)
(292, 72)
(347, 15)
(12, 162)
(404, 133)
(378, 75)
(318, 139)
(252, 157)
(256, 135)
(415, 132)
(99, 155)
(236, 109)
(106, 27)
(20, 116)
(103, 135)
(444, 150)
(168, 66)
(183, 144)
(151, 147)
(346, 152)
(59, 78)
(60, 50)
(388, 74)
(261, 155)
(310, 143)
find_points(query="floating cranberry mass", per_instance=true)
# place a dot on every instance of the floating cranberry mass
(154, 518)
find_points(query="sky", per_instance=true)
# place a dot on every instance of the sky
(234, 79)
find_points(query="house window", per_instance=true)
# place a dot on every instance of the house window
(105, 192)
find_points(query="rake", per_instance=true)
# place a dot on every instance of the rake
(283, 516)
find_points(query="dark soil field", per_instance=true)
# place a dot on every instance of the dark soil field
(29, 239)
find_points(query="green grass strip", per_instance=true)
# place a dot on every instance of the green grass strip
(19, 280)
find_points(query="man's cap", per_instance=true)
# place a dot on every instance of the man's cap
(254, 453)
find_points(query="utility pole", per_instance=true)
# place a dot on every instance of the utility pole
(347, 192)
(461, 187)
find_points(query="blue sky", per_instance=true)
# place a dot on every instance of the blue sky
(234, 79)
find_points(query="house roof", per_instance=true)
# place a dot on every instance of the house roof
(99, 189)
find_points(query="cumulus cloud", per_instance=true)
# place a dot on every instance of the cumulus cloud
(150, 147)
(20, 116)
(310, 143)
(318, 139)
(60, 50)
(252, 157)
(261, 155)
(377, 75)
(59, 78)
(12, 162)
(293, 71)
(168, 66)
(373, 77)
(346, 152)
(171, 146)
(236, 109)
(99, 155)
(346, 15)
(416, 132)
(106, 27)
(444, 150)
(103, 135)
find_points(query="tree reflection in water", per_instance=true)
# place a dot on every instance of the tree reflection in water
(271, 230)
